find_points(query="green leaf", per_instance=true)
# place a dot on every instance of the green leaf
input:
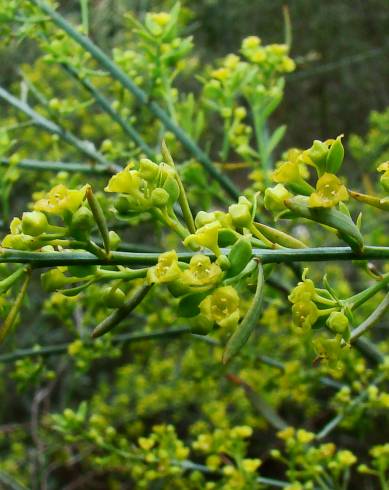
(189, 304)
(276, 137)
(245, 328)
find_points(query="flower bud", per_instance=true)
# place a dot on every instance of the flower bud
(338, 322)
(160, 197)
(82, 223)
(241, 214)
(275, 197)
(172, 188)
(318, 154)
(113, 297)
(114, 240)
(204, 218)
(53, 279)
(122, 204)
(148, 169)
(34, 223)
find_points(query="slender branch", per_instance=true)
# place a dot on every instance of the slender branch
(53, 128)
(105, 104)
(58, 349)
(370, 321)
(259, 403)
(333, 423)
(319, 254)
(40, 165)
(140, 95)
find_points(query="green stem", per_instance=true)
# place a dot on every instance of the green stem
(54, 128)
(183, 198)
(84, 15)
(53, 350)
(358, 299)
(140, 95)
(6, 283)
(333, 423)
(126, 274)
(173, 224)
(105, 104)
(320, 254)
(369, 323)
(262, 139)
(86, 168)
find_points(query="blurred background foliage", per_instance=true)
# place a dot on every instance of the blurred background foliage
(341, 48)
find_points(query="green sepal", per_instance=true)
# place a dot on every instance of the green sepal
(227, 237)
(189, 304)
(239, 256)
(335, 156)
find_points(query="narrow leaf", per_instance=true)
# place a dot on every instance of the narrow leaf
(13, 312)
(244, 329)
(99, 217)
(276, 137)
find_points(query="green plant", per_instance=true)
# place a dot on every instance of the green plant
(219, 266)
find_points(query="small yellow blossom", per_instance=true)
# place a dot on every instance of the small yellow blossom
(346, 458)
(167, 269)
(60, 199)
(222, 307)
(251, 465)
(329, 192)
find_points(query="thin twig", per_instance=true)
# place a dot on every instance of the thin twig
(85, 147)
(319, 254)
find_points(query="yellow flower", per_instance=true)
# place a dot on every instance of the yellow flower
(304, 436)
(251, 42)
(242, 431)
(201, 272)
(286, 173)
(329, 192)
(304, 291)
(60, 199)
(286, 433)
(221, 74)
(146, 443)
(167, 269)
(206, 236)
(346, 458)
(222, 307)
(338, 322)
(304, 314)
(251, 465)
(160, 18)
(126, 181)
